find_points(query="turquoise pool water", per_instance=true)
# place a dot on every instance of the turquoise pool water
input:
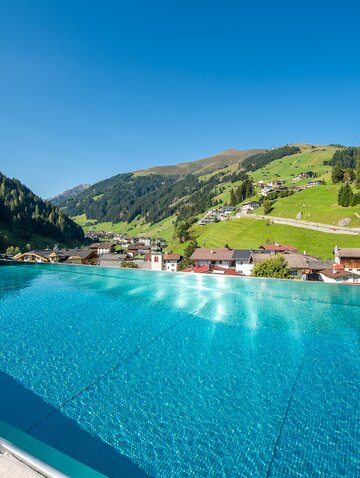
(139, 373)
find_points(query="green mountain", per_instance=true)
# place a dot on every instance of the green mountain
(317, 204)
(153, 197)
(26, 218)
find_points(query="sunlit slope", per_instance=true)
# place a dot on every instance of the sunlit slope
(250, 234)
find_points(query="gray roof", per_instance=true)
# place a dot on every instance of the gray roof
(353, 252)
(294, 261)
(82, 253)
(41, 252)
(113, 257)
(318, 264)
(242, 255)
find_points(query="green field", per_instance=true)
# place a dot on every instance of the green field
(317, 204)
(290, 166)
(250, 234)
(163, 229)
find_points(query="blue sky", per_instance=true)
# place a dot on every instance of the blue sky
(89, 89)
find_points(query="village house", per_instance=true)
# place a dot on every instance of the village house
(315, 266)
(171, 261)
(276, 183)
(311, 184)
(337, 274)
(278, 248)
(217, 256)
(349, 258)
(242, 258)
(296, 262)
(248, 207)
(112, 260)
(146, 241)
(78, 256)
(39, 256)
(307, 174)
(103, 247)
(68, 256)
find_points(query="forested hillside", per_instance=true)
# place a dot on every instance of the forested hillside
(23, 214)
(154, 197)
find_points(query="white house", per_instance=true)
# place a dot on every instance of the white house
(348, 257)
(171, 261)
(339, 275)
(144, 240)
(249, 206)
(243, 262)
(103, 247)
(220, 257)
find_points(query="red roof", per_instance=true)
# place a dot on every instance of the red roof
(205, 270)
(197, 269)
(278, 247)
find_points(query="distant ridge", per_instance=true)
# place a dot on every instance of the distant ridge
(205, 165)
(59, 198)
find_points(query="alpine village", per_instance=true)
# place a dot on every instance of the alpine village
(291, 212)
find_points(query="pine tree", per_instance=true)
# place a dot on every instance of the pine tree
(232, 198)
(346, 195)
(337, 174)
(341, 195)
(357, 171)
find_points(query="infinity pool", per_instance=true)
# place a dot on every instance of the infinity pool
(139, 373)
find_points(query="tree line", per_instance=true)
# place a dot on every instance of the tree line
(346, 170)
(26, 214)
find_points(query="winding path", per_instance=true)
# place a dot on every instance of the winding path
(316, 226)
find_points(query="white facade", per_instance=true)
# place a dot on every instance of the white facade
(103, 250)
(170, 265)
(339, 280)
(243, 267)
(156, 261)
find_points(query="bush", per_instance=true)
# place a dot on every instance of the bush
(274, 267)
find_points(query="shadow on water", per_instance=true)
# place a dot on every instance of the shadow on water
(22, 408)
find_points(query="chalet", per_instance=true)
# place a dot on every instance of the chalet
(103, 247)
(162, 242)
(39, 256)
(276, 183)
(170, 262)
(221, 257)
(243, 264)
(249, 206)
(307, 174)
(137, 248)
(112, 260)
(337, 274)
(78, 256)
(295, 262)
(277, 248)
(311, 184)
(146, 241)
(266, 190)
(349, 258)
(315, 266)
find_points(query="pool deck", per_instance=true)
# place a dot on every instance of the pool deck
(16, 463)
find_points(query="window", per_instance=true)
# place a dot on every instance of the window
(156, 259)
